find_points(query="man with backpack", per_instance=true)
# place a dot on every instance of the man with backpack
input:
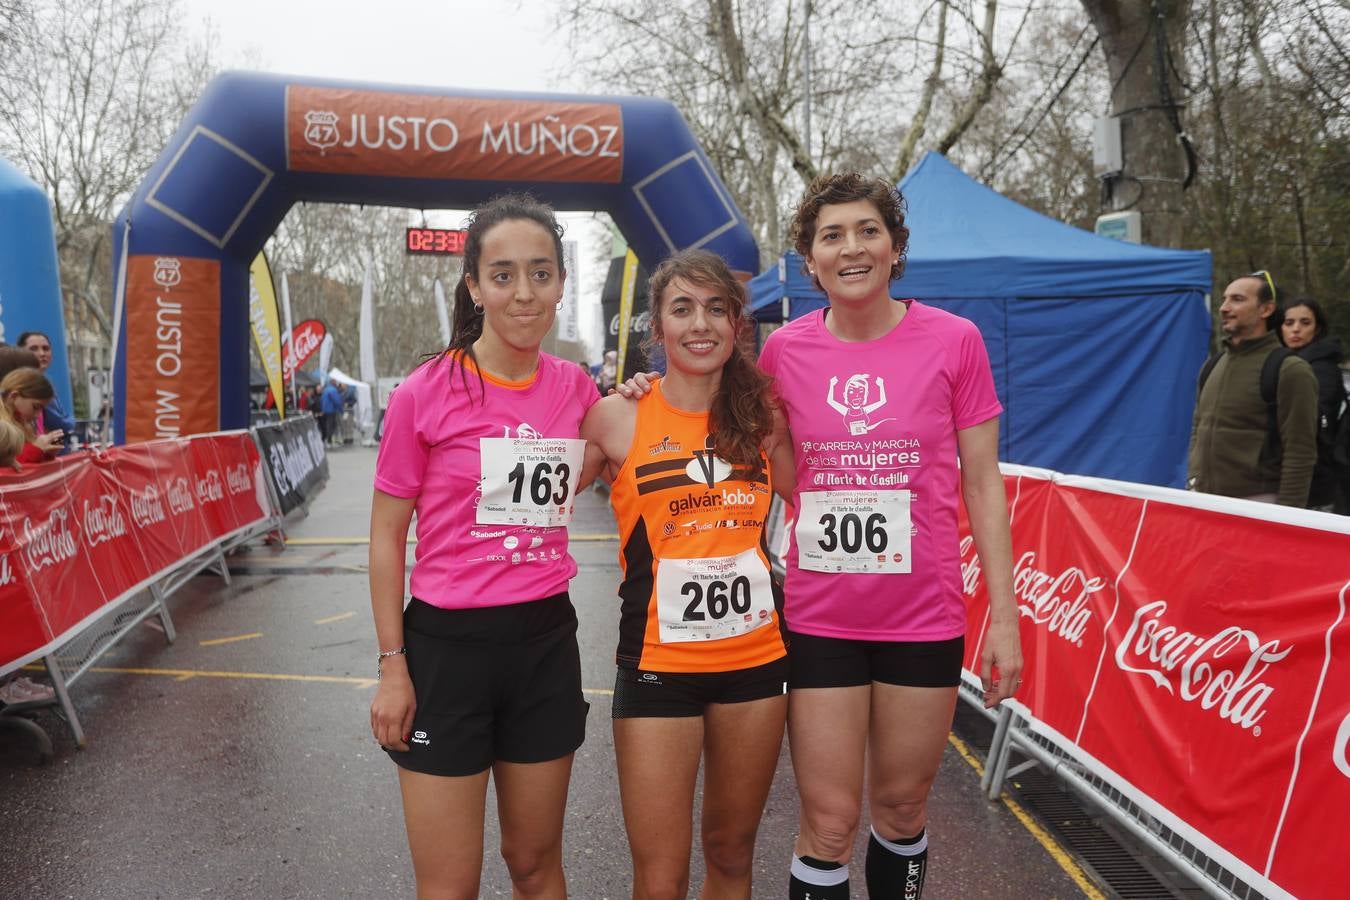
(1254, 434)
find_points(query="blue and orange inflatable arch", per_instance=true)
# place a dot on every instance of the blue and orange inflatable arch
(256, 144)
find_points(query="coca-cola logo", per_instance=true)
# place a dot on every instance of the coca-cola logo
(970, 567)
(49, 542)
(305, 339)
(1059, 602)
(237, 479)
(209, 487)
(1202, 667)
(102, 520)
(180, 496)
(639, 324)
(146, 508)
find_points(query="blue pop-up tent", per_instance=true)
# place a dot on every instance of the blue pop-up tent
(1095, 343)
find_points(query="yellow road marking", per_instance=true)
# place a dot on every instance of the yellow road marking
(1046, 840)
(331, 619)
(189, 674)
(362, 540)
(230, 640)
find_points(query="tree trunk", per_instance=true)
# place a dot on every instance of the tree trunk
(1144, 75)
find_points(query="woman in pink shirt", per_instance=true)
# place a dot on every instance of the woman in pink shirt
(881, 398)
(481, 673)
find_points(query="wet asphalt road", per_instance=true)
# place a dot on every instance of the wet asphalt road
(238, 761)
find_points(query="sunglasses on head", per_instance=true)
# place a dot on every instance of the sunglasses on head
(1262, 273)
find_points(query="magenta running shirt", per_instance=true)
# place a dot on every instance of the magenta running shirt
(874, 553)
(495, 473)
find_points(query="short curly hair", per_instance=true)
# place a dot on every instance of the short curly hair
(846, 187)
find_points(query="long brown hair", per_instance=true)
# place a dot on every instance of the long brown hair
(740, 417)
(467, 318)
(30, 384)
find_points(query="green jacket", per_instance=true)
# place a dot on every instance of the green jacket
(1229, 453)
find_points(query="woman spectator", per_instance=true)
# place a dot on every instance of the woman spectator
(54, 417)
(702, 668)
(1305, 332)
(24, 393)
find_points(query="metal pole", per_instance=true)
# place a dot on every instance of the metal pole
(806, 78)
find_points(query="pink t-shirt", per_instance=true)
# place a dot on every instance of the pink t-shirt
(494, 472)
(874, 551)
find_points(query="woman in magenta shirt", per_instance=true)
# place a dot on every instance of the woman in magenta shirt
(881, 398)
(481, 673)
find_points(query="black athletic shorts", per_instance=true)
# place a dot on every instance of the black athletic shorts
(641, 694)
(824, 662)
(500, 683)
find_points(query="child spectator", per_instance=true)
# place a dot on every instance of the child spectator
(24, 393)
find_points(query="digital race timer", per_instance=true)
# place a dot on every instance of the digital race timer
(436, 241)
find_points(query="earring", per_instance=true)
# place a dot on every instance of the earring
(477, 308)
(558, 305)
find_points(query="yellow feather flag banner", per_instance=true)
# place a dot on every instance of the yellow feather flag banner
(630, 269)
(262, 316)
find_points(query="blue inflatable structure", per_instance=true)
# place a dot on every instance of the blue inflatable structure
(256, 144)
(30, 282)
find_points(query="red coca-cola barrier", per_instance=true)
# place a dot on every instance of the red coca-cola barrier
(1194, 653)
(87, 531)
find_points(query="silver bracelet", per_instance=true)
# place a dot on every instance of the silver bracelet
(382, 655)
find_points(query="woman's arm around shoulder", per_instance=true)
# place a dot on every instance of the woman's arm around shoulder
(782, 462)
(608, 432)
(987, 505)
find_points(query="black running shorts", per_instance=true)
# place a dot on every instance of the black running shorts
(824, 662)
(642, 694)
(500, 683)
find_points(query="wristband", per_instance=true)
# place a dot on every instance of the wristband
(382, 655)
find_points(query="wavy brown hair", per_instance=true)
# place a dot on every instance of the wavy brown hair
(846, 187)
(740, 417)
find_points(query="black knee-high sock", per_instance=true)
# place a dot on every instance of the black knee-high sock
(817, 879)
(896, 869)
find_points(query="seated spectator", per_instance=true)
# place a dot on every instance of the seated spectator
(24, 393)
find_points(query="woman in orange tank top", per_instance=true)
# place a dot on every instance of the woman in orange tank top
(702, 660)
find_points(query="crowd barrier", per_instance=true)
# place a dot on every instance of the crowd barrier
(93, 544)
(1187, 671)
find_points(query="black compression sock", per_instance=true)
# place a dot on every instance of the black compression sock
(817, 879)
(896, 869)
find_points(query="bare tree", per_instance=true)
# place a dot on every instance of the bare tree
(736, 71)
(89, 94)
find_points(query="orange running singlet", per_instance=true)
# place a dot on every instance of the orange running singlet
(697, 592)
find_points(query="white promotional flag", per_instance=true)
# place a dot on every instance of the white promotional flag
(570, 312)
(367, 330)
(325, 357)
(441, 315)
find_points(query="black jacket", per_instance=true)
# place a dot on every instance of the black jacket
(1324, 356)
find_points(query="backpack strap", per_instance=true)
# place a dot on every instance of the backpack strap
(1270, 389)
(1205, 370)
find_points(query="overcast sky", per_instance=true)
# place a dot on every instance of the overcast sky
(505, 45)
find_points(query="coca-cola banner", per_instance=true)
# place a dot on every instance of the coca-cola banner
(294, 459)
(1195, 652)
(89, 530)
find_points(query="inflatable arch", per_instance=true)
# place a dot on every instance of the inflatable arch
(256, 144)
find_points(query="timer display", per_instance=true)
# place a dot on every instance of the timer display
(436, 241)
